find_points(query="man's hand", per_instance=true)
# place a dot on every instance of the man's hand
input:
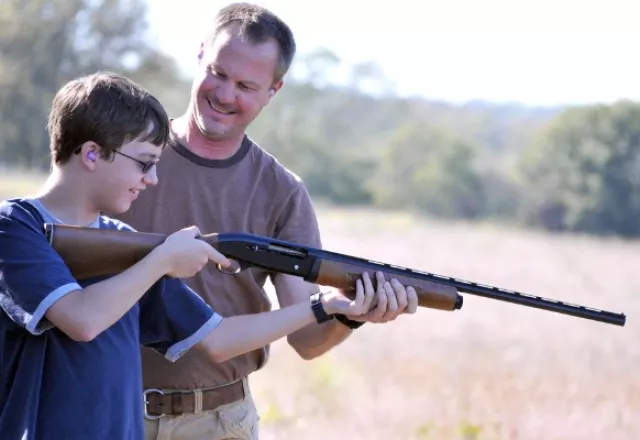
(391, 300)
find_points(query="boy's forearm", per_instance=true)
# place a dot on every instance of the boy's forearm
(316, 339)
(237, 335)
(84, 314)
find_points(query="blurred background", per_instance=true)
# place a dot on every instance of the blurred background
(494, 141)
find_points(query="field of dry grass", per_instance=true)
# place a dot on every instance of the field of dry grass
(489, 371)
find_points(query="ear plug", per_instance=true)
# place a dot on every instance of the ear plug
(91, 155)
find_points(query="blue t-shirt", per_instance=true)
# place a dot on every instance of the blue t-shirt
(55, 388)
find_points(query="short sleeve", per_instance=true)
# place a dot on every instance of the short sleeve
(173, 318)
(32, 274)
(297, 221)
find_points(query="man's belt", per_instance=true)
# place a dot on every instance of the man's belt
(158, 403)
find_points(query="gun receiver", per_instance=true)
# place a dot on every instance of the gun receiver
(90, 252)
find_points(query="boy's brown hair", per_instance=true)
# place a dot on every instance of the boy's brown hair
(108, 109)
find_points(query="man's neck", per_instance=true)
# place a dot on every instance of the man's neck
(218, 149)
(64, 198)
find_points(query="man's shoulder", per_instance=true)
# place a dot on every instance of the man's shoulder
(277, 170)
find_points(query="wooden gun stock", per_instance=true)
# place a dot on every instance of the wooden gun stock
(90, 252)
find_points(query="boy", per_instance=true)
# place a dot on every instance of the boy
(69, 350)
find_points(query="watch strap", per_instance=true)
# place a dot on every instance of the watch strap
(348, 322)
(318, 310)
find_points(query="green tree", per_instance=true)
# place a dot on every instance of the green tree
(583, 172)
(432, 171)
(44, 43)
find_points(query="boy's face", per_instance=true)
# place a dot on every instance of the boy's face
(118, 182)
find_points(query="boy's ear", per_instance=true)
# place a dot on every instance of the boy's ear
(89, 154)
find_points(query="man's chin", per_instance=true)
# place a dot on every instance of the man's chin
(213, 130)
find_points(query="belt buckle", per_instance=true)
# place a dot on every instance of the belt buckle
(145, 393)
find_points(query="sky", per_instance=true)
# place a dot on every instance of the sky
(535, 52)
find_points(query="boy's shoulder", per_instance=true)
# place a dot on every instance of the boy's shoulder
(19, 208)
(107, 222)
(7, 205)
(24, 209)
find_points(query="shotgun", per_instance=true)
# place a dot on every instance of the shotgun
(91, 252)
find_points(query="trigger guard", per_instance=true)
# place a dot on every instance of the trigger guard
(235, 268)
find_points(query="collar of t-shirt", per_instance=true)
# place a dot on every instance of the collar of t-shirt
(50, 218)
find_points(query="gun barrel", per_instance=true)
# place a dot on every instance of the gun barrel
(532, 300)
(282, 259)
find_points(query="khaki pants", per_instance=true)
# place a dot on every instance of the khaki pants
(238, 421)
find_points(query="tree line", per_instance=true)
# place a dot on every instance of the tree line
(560, 169)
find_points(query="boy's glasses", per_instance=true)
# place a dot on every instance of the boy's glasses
(145, 166)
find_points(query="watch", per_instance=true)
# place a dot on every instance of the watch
(318, 309)
(348, 322)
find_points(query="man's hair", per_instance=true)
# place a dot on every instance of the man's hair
(257, 25)
(108, 109)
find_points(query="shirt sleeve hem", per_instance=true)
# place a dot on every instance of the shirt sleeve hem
(37, 325)
(178, 349)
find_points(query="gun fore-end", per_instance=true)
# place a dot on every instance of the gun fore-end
(90, 252)
(344, 276)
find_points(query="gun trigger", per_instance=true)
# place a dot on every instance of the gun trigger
(236, 267)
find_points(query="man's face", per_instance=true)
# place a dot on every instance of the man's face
(234, 82)
(122, 179)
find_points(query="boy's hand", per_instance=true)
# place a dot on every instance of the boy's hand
(186, 255)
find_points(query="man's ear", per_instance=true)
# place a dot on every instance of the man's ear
(201, 52)
(275, 88)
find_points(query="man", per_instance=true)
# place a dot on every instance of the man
(70, 351)
(215, 176)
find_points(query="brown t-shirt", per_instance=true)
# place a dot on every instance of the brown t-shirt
(249, 192)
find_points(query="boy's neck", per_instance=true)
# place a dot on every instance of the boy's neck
(66, 199)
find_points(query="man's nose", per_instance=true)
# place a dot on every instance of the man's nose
(225, 93)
